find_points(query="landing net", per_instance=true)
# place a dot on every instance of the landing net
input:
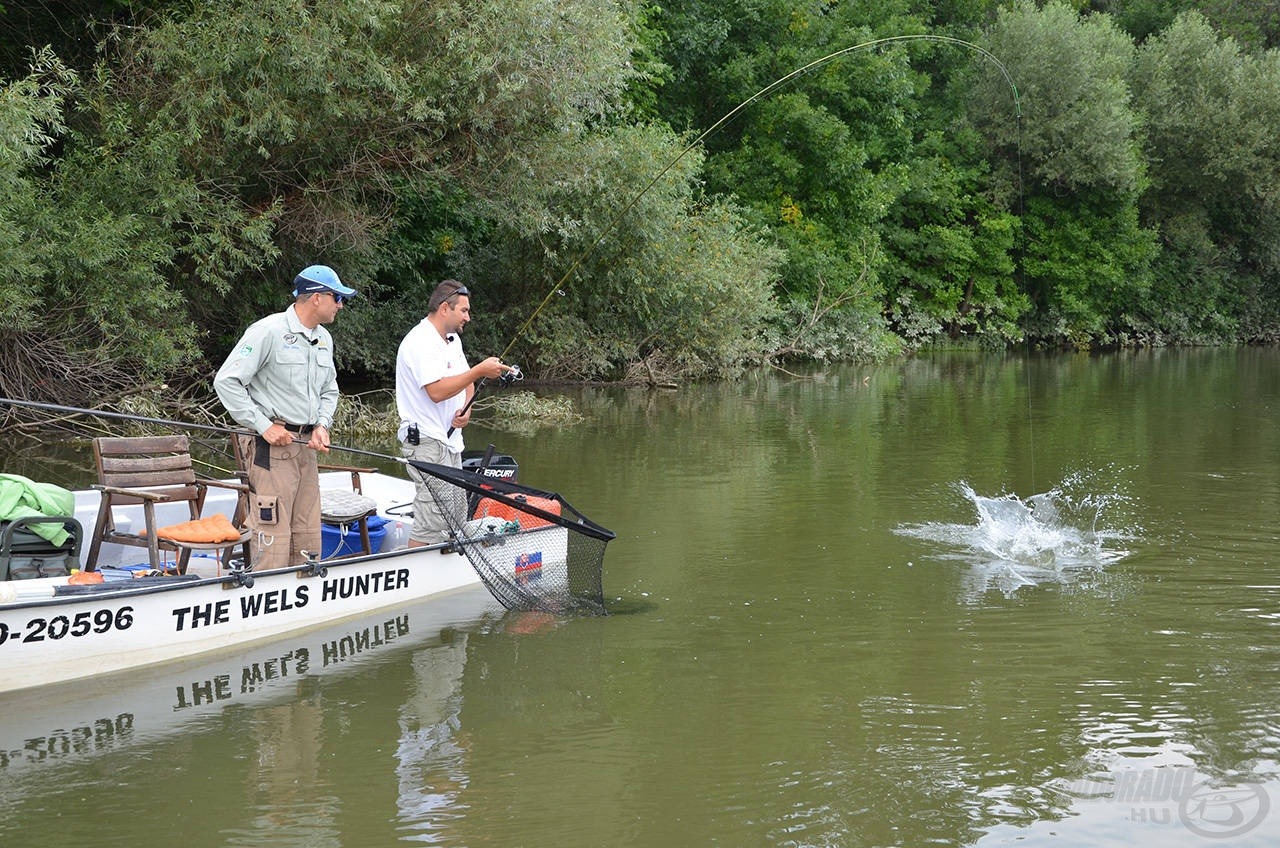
(531, 548)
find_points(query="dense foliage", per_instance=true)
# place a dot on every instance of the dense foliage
(1060, 174)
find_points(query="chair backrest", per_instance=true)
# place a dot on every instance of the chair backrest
(242, 459)
(159, 464)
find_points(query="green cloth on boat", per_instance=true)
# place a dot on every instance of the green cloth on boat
(24, 498)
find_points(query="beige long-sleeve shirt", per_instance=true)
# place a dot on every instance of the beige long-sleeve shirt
(280, 371)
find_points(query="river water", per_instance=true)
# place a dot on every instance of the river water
(962, 599)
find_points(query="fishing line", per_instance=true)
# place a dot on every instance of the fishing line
(1019, 271)
(728, 116)
(86, 428)
(1031, 427)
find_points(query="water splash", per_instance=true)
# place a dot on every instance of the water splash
(1055, 536)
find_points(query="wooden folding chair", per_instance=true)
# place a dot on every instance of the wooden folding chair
(152, 470)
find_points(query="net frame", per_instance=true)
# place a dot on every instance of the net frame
(502, 556)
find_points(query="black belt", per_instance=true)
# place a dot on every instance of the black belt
(262, 450)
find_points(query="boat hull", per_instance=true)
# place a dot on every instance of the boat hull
(66, 637)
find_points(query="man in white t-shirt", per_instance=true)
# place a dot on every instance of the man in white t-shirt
(433, 385)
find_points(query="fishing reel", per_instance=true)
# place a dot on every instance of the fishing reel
(512, 376)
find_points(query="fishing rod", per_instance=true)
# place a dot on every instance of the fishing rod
(178, 425)
(502, 577)
(506, 379)
(557, 288)
(188, 425)
(184, 425)
(124, 416)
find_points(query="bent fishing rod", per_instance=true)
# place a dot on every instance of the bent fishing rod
(557, 288)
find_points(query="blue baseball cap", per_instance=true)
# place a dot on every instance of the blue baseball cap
(320, 278)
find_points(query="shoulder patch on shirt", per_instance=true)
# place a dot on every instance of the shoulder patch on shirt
(247, 350)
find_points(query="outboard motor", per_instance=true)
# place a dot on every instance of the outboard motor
(487, 463)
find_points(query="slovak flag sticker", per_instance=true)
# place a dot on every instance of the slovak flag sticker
(529, 568)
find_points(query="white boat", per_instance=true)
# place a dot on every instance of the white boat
(51, 631)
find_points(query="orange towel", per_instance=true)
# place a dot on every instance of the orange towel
(214, 528)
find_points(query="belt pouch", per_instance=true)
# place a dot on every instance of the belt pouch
(261, 453)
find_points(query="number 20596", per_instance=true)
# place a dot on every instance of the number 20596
(61, 626)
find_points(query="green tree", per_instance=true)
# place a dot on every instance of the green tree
(1074, 161)
(293, 127)
(31, 120)
(1089, 269)
(1255, 24)
(87, 314)
(951, 271)
(819, 162)
(657, 281)
(1213, 114)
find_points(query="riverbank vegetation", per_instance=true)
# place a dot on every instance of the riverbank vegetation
(167, 167)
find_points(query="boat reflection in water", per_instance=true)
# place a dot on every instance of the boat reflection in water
(50, 727)
(430, 761)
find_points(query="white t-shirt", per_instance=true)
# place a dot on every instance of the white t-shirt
(423, 358)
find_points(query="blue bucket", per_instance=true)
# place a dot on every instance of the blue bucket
(343, 539)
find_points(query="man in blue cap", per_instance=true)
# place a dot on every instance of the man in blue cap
(280, 381)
